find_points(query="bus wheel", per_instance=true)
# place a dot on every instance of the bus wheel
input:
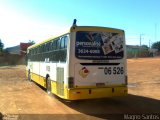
(29, 76)
(48, 85)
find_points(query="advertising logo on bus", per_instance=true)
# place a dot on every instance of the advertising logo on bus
(84, 72)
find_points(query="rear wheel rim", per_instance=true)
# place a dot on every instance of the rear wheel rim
(48, 86)
(29, 76)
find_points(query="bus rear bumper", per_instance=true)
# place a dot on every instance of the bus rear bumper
(92, 93)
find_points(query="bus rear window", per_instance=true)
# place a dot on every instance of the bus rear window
(99, 45)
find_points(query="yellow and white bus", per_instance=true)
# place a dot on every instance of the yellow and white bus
(85, 63)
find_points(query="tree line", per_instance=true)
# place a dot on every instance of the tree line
(1, 46)
(155, 45)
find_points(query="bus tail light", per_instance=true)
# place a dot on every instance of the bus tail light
(78, 92)
(70, 82)
(126, 79)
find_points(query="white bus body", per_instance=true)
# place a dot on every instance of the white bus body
(87, 63)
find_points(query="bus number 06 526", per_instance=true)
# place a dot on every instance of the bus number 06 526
(113, 70)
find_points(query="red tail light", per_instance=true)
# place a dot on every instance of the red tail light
(70, 82)
(126, 80)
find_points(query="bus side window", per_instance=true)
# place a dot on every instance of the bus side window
(41, 49)
(50, 44)
(33, 51)
(58, 44)
(45, 47)
(65, 41)
(30, 52)
(62, 43)
(54, 45)
(38, 50)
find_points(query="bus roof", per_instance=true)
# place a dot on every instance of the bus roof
(82, 28)
(47, 40)
(95, 28)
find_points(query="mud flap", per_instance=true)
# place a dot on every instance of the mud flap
(48, 85)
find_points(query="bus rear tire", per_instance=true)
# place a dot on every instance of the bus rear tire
(29, 76)
(48, 85)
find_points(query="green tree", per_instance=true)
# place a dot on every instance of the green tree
(156, 45)
(1, 46)
(31, 42)
(145, 46)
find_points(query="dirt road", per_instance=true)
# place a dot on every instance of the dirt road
(144, 77)
(28, 101)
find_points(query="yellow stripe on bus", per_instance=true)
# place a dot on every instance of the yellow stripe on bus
(83, 92)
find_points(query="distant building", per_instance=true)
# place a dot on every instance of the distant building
(153, 52)
(19, 49)
(13, 50)
(134, 51)
(23, 48)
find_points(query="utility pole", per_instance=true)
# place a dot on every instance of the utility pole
(149, 43)
(140, 43)
(140, 39)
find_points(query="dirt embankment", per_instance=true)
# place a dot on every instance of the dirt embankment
(11, 59)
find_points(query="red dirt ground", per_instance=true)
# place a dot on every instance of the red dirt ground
(28, 101)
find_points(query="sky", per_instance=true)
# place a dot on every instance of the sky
(37, 20)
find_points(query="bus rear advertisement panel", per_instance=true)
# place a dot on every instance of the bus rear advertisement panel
(99, 45)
